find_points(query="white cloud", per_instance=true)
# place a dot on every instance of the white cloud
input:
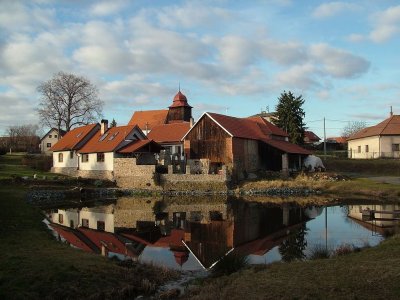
(331, 9)
(297, 77)
(338, 63)
(105, 8)
(356, 38)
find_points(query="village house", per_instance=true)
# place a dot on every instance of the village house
(49, 140)
(381, 140)
(243, 145)
(310, 137)
(167, 127)
(91, 151)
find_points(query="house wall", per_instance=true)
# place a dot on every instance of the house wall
(67, 162)
(68, 216)
(379, 146)
(207, 140)
(94, 216)
(246, 156)
(93, 164)
(47, 139)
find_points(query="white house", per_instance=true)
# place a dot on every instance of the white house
(50, 139)
(381, 140)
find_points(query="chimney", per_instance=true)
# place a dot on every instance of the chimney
(391, 111)
(191, 122)
(104, 126)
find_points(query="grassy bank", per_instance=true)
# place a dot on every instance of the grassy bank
(34, 266)
(373, 273)
(11, 166)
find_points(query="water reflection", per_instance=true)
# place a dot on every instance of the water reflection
(195, 233)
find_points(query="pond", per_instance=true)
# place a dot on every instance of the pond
(193, 233)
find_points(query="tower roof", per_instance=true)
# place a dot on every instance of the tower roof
(180, 100)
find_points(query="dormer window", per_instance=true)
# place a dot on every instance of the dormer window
(103, 137)
(113, 136)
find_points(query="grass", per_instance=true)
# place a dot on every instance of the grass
(371, 273)
(11, 167)
(33, 265)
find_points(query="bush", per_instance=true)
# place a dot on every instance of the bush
(343, 249)
(38, 162)
(3, 151)
(319, 252)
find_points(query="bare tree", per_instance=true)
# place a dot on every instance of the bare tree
(353, 127)
(23, 138)
(67, 101)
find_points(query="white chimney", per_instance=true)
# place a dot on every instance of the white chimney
(104, 126)
(191, 122)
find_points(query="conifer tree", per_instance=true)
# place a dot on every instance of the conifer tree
(290, 116)
(113, 123)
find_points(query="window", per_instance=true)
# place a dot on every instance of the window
(85, 223)
(178, 150)
(101, 225)
(48, 145)
(359, 149)
(85, 157)
(71, 154)
(366, 148)
(395, 147)
(60, 157)
(100, 157)
(55, 136)
(103, 136)
(50, 136)
(60, 218)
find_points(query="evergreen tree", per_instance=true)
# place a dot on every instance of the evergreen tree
(290, 116)
(113, 123)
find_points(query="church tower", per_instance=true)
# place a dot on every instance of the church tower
(180, 110)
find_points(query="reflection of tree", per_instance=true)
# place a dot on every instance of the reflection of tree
(293, 247)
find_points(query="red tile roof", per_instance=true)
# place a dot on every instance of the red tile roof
(311, 136)
(339, 139)
(255, 128)
(136, 146)
(72, 138)
(390, 126)
(287, 146)
(108, 142)
(149, 118)
(165, 133)
(109, 240)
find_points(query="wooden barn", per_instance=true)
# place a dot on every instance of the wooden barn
(244, 145)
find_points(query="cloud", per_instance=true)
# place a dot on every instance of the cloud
(338, 63)
(331, 9)
(105, 8)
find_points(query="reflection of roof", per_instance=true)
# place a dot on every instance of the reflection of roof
(173, 132)
(390, 126)
(72, 138)
(72, 237)
(311, 136)
(148, 119)
(109, 141)
(141, 146)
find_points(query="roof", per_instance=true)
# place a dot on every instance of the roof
(268, 127)
(311, 136)
(390, 126)
(71, 237)
(287, 146)
(138, 145)
(180, 100)
(62, 133)
(148, 119)
(72, 138)
(109, 141)
(173, 132)
(339, 139)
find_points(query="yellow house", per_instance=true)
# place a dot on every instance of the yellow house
(382, 140)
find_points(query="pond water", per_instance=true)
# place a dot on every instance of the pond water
(194, 233)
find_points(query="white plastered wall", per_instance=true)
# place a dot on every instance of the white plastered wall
(373, 148)
(94, 165)
(67, 162)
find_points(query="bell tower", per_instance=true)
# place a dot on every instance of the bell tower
(180, 110)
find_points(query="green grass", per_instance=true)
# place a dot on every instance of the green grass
(11, 167)
(34, 266)
(373, 273)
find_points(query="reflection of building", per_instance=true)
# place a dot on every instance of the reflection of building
(208, 229)
(376, 217)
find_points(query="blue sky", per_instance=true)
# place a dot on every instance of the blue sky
(232, 57)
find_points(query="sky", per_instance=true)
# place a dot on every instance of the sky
(229, 57)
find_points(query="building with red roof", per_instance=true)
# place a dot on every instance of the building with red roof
(244, 145)
(381, 140)
(310, 137)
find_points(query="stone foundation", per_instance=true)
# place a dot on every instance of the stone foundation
(129, 175)
(95, 174)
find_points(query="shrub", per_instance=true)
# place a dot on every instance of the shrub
(344, 249)
(3, 151)
(38, 162)
(319, 252)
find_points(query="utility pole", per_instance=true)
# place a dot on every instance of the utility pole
(324, 139)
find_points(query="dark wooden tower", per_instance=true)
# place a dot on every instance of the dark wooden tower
(180, 110)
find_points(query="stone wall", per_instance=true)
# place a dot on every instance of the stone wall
(129, 175)
(95, 174)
